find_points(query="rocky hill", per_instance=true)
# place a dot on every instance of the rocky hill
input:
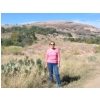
(76, 29)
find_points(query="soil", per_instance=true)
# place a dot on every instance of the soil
(94, 83)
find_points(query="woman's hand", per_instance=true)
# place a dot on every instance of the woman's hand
(58, 64)
(45, 65)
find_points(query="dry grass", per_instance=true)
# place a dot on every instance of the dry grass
(76, 70)
(16, 50)
(77, 66)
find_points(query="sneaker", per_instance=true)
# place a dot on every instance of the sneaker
(60, 86)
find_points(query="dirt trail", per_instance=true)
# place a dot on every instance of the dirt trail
(94, 83)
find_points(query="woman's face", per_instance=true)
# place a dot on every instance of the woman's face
(52, 45)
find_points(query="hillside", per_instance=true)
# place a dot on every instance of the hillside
(76, 29)
(24, 45)
(22, 35)
(79, 64)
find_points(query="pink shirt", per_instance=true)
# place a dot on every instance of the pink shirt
(52, 56)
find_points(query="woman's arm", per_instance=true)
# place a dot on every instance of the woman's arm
(59, 64)
(46, 58)
(58, 58)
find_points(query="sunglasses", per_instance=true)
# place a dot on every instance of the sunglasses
(52, 44)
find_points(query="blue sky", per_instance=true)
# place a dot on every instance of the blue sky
(24, 18)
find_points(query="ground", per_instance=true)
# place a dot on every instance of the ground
(93, 83)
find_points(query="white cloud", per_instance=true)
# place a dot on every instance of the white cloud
(28, 22)
(31, 22)
(95, 23)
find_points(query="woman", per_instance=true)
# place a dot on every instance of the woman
(53, 62)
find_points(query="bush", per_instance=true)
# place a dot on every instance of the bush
(94, 40)
(64, 39)
(97, 49)
(71, 39)
(23, 66)
(12, 50)
(69, 34)
(6, 42)
(2, 30)
(92, 58)
(65, 33)
(22, 36)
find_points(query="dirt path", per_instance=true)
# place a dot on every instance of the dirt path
(94, 83)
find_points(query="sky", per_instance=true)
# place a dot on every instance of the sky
(24, 18)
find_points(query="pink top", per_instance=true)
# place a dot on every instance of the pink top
(52, 56)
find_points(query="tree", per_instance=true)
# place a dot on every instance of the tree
(7, 42)
(2, 30)
(71, 39)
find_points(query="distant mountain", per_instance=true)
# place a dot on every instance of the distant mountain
(21, 35)
(76, 29)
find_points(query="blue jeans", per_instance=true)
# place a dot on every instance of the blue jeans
(54, 67)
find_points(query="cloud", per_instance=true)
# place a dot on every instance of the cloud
(28, 22)
(95, 23)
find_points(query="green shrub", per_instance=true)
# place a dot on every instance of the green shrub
(6, 42)
(65, 39)
(71, 39)
(16, 50)
(92, 58)
(23, 66)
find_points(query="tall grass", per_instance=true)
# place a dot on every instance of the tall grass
(78, 64)
(76, 69)
(16, 50)
(97, 49)
(74, 72)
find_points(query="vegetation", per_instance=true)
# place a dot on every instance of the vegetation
(97, 49)
(95, 40)
(22, 36)
(21, 66)
(22, 69)
(24, 29)
(30, 73)
(15, 50)
(79, 63)
(19, 37)
(65, 33)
